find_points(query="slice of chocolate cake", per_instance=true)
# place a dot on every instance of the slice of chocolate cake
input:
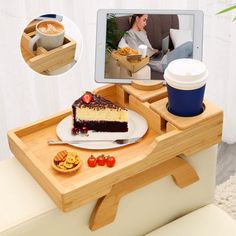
(92, 112)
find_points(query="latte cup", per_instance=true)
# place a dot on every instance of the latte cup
(142, 49)
(49, 35)
(186, 81)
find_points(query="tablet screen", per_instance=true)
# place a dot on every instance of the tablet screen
(140, 45)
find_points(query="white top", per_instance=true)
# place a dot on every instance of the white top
(186, 74)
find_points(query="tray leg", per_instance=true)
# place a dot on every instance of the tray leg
(104, 211)
(106, 207)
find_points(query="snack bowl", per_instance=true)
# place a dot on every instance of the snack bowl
(69, 163)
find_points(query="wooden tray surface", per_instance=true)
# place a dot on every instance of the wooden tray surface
(131, 66)
(29, 144)
(162, 142)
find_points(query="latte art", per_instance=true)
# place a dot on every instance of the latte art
(51, 28)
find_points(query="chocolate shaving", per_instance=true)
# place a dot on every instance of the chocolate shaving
(97, 103)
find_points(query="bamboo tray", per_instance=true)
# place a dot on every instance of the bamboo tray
(159, 154)
(131, 66)
(43, 61)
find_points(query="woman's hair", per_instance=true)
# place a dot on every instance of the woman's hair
(133, 18)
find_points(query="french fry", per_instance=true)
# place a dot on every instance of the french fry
(126, 51)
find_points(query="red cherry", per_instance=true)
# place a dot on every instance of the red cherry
(84, 130)
(87, 97)
(75, 131)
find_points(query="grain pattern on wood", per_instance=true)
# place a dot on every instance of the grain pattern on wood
(146, 85)
(153, 119)
(168, 136)
(132, 67)
(146, 96)
(185, 122)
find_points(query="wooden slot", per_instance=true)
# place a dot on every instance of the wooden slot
(31, 34)
(31, 26)
(53, 59)
(25, 51)
(41, 50)
(67, 40)
(126, 98)
(153, 119)
(170, 127)
(163, 125)
(122, 95)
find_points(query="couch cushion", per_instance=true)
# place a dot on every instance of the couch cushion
(180, 37)
(206, 221)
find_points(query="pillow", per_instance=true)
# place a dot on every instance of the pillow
(180, 37)
(122, 43)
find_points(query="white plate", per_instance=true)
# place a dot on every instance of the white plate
(137, 127)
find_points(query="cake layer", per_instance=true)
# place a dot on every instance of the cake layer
(102, 126)
(93, 112)
(107, 114)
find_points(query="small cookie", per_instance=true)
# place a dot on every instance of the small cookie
(77, 160)
(68, 165)
(61, 165)
(61, 156)
(70, 159)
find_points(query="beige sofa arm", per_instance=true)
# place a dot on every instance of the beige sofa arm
(206, 221)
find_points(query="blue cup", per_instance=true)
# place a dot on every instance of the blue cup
(186, 82)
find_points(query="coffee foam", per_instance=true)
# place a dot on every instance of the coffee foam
(50, 28)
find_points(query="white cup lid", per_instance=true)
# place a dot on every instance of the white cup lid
(186, 74)
(142, 46)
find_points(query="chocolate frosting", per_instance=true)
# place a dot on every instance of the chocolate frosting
(97, 102)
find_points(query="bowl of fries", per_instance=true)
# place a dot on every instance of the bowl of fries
(126, 51)
(66, 162)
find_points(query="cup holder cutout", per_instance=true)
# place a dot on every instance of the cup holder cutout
(203, 109)
(126, 98)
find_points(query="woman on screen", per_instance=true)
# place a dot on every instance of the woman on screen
(137, 35)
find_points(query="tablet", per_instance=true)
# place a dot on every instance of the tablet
(117, 39)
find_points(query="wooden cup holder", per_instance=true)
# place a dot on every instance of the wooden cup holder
(42, 60)
(203, 109)
(168, 138)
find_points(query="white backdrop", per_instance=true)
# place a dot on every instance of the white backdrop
(26, 96)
